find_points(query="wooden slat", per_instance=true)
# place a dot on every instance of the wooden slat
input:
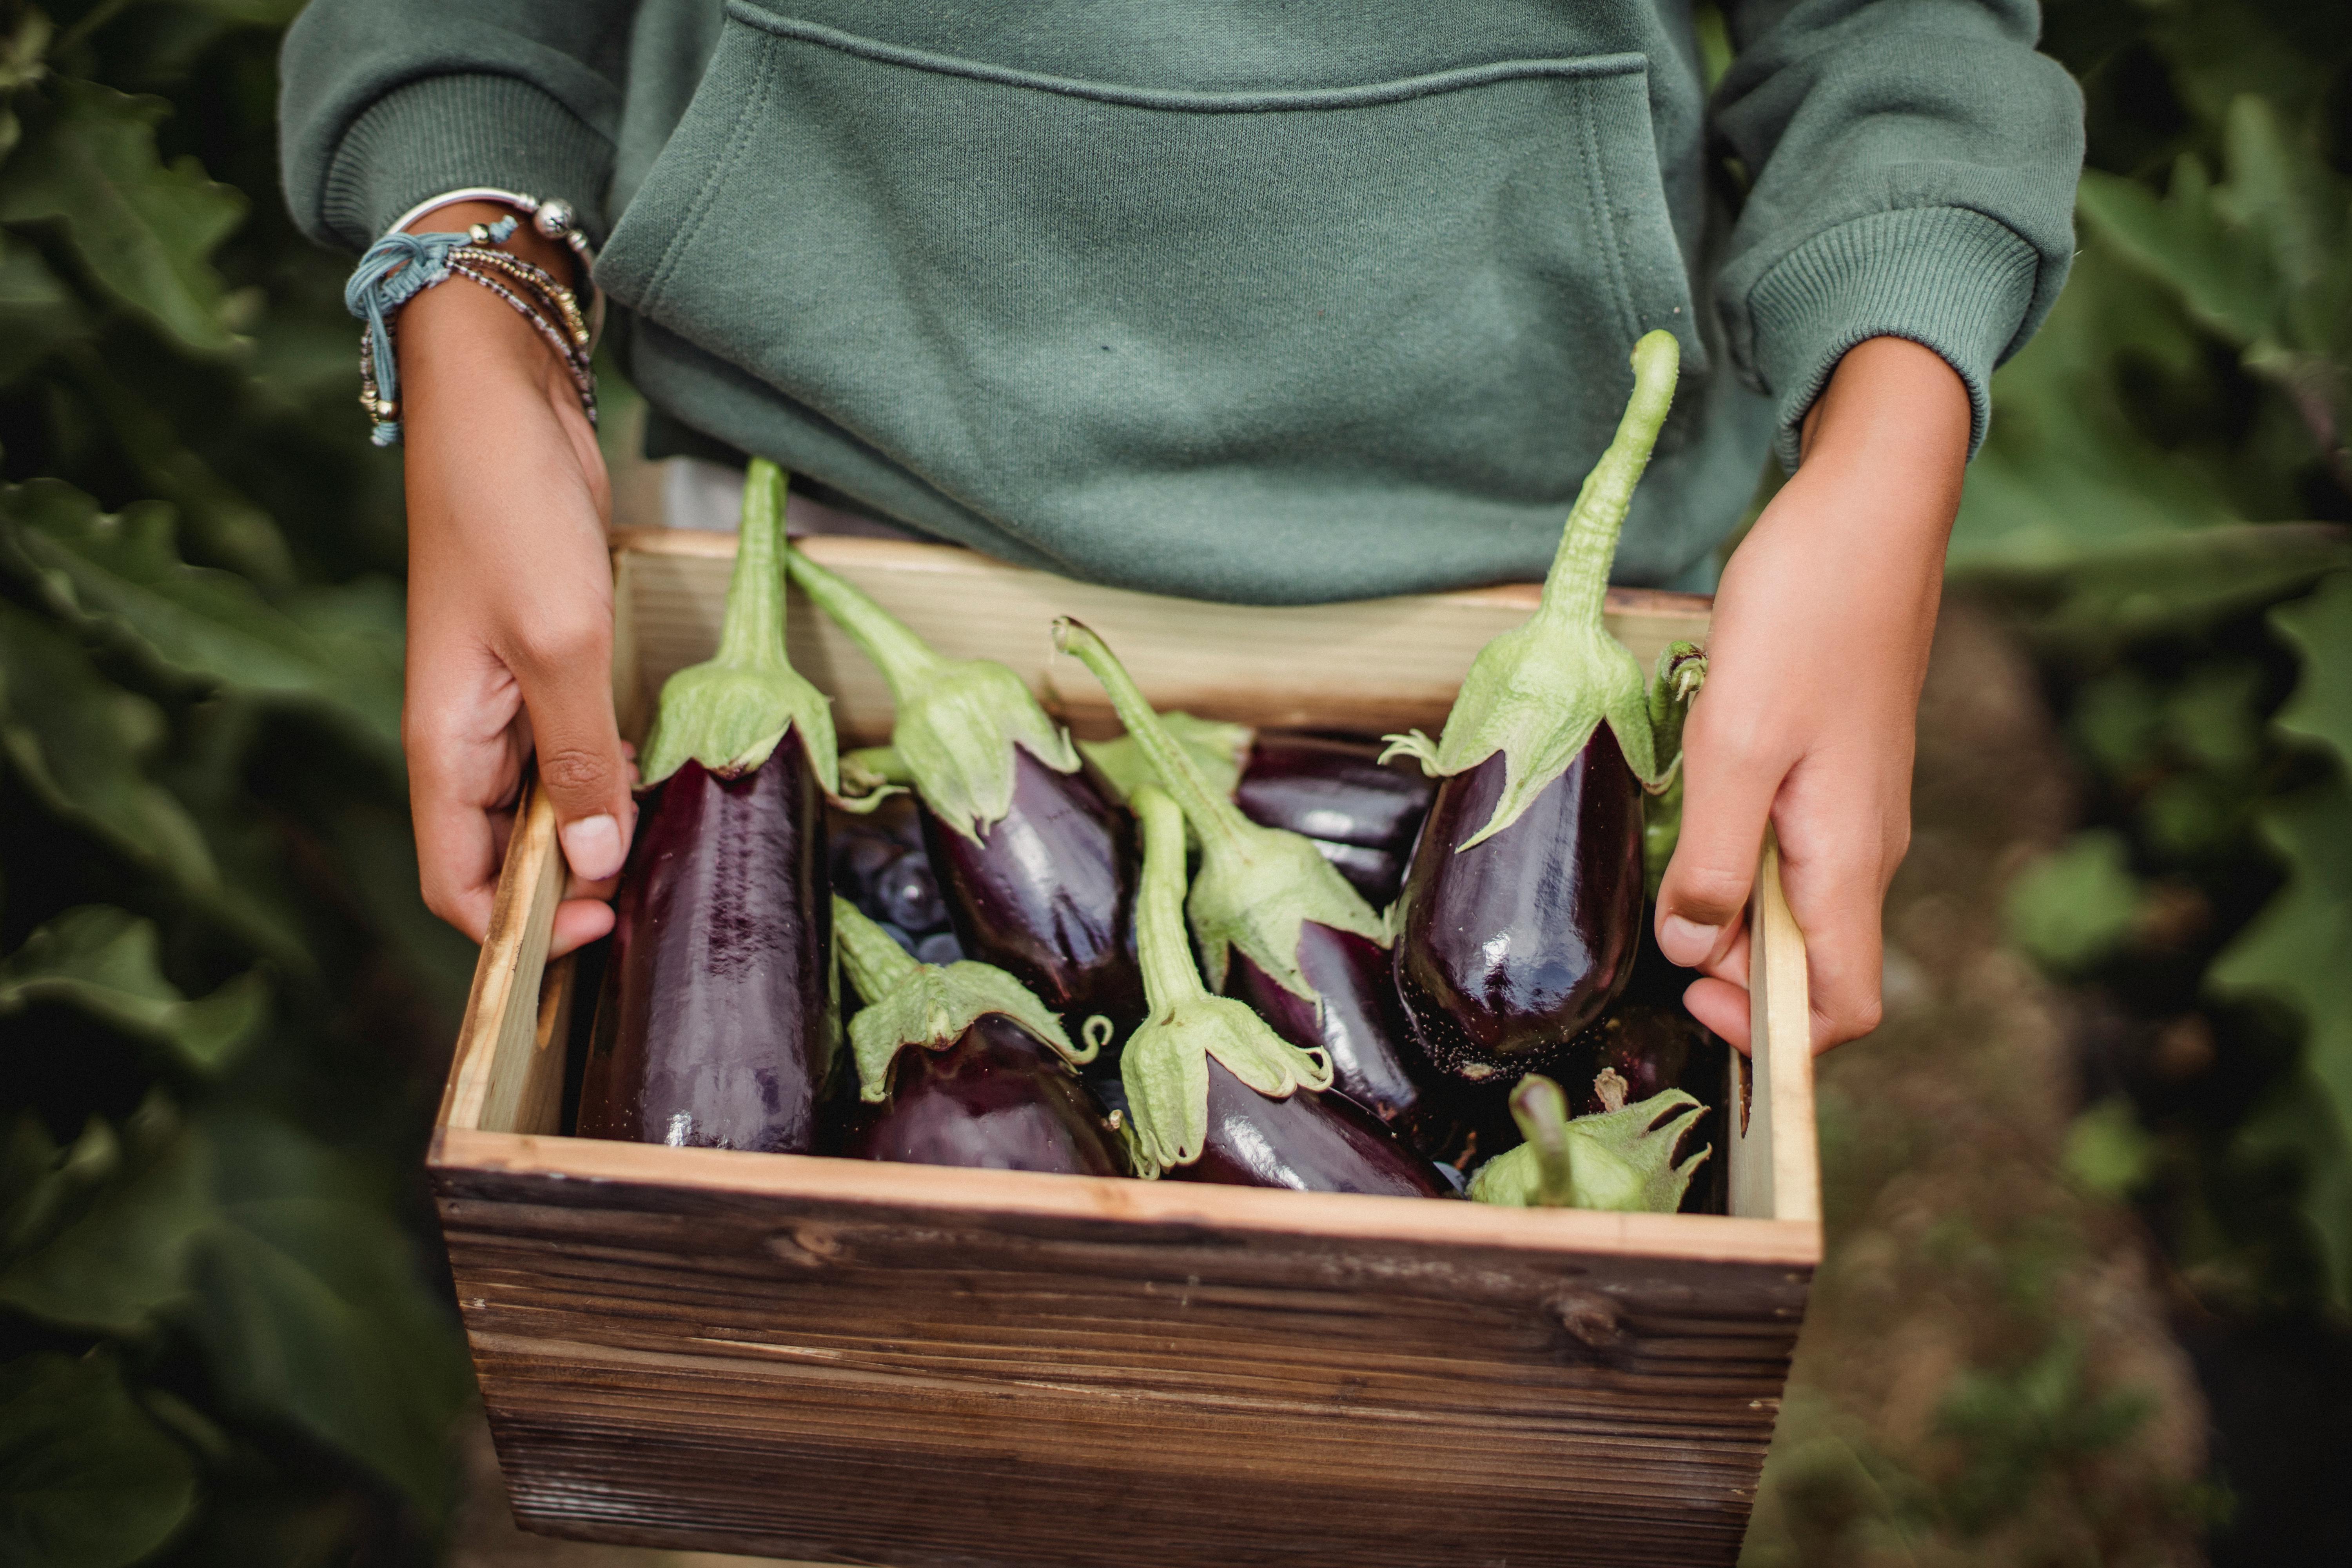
(853, 1376)
(1191, 1206)
(1776, 1162)
(1375, 664)
(500, 1065)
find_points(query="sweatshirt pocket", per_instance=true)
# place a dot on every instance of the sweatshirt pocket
(1054, 299)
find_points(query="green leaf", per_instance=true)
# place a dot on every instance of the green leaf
(36, 312)
(119, 1261)
(87, 1478)
(2294, 951)
(103, 961)
(79, 742)
(143, 231)
(2102, 598)
(2107, 1151)
(313, 1310)
(2076, 905)
(333, 652)
(2320, 629)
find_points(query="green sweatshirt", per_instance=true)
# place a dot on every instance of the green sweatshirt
(1275, 300)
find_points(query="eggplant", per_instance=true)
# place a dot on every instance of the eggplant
(1037, 869)
(1215, 1095)
(1508, 947)
(1521, 915)
(1360, 813)
(1332, 790)
(720, 1027)
(1623, 1160)
(960, 1065)
(1644, 1048)
(1276, 924)
(1682, 671)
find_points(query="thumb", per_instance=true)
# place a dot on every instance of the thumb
(582, 765)
(1727, 800)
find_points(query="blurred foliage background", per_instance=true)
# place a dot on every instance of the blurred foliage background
(223, 1012)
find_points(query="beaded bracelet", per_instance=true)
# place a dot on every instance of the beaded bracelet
(401, 265)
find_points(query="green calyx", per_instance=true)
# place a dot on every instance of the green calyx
(958, 719)
(1621, 1161)
(1257, 886)
(1165, 1064)
(1537, 692)
(730, 711)
(1682, 669)
(1218, 749)
(909, 1002)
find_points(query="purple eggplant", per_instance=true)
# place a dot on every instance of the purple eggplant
(1354, 1015)
(1641, 1050)
(959, 1065)
(1037, 869)
(1507, 948)
(1521, 911)
(1215, 1095)
(1276, 923)
(721, 1027)
(1334, 790)
(1360, 813)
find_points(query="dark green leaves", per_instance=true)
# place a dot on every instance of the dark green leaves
(88, 1480)
(144, 232)
(103, 962)
(333, 651)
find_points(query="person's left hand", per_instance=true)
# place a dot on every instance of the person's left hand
(1807, 718)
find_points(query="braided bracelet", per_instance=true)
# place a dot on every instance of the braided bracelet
(401, 266)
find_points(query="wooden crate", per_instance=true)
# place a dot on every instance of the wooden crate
(852, 1363)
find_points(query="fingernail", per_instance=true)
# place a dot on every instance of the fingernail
(593, 845)
(1687, 942)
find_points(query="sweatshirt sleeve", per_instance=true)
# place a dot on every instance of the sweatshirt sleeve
(386, 103)
(1912, 171)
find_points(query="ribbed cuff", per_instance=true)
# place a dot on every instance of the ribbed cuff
(1948, 278)
(449, 132)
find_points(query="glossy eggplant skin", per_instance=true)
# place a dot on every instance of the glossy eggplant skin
(721, 1035)
(1506, 951)
(1048, 895)
(1359, 1020)
(1309, 1143)
(996, 1099)
(1333, 789)
(1378, 874)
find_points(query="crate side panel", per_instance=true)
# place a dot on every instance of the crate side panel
(927, 1386)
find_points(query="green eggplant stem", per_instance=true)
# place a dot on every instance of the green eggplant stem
(877, 964)
(1163, 949)
(904, 660)
(751, 630)
(1541, 1109)
(1180, 775)
(1578, 584)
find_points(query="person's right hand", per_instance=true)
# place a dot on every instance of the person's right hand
(509, 600)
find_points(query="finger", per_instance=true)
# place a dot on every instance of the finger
(1728, 784)
(578, 922)
(565, 667)
(465, 766)
(1722, 1008)
(1835, 878)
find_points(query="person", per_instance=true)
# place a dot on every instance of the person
(1232, 299)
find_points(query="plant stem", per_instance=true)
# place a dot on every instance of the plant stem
(1180, 775)
(1163, 950)
(1577, 581)
(904, 660)
(1541, 1111)
(877, 964)
(752, 631)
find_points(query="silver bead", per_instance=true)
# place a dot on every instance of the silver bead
(553, 219)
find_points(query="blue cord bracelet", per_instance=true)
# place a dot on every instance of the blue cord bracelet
(392, 271)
